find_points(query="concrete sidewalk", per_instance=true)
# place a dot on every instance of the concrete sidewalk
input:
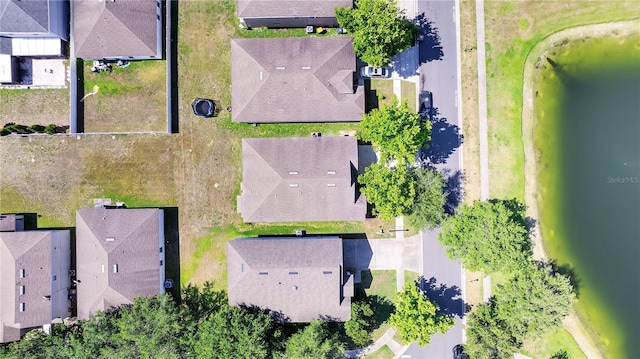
(385, 339)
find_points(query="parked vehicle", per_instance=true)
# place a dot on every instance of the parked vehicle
(458, 352)
(369, 71)
(426, 105)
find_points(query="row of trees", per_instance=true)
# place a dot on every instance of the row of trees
(394, 185)
(493, 237)
(203, 325)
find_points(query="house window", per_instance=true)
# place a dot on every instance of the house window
(22, 290)
(54, 278)
(22, 307)
(22, 273)
(293, 273)
(264, 273)
(161, 249)
(161, 262)
(331, 172)
(331, 184)
(293, 185)
(293, 172)
(327, 272)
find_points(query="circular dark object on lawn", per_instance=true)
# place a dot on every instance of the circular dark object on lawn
(203, 107)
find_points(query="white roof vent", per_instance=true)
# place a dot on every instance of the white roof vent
(110, 239)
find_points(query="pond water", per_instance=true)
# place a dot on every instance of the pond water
(588, 141)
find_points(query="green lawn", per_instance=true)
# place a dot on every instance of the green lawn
(381, 284)
(512, 30)
(408, 92)
(410, 277)
(552, 342)
(383, 353)
(383, 91)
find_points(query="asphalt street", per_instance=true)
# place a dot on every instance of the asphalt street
(438, 74)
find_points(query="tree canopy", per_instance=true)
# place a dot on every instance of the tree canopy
(531, 302)
(396, 132)
(379, 29)
(359, 327)
(235, 333)
(391, 190)
(534, 301)
(489, 236)
(428, 208)
(416, 317)
(314, 342)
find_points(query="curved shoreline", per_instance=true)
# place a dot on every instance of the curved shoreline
(572, 323)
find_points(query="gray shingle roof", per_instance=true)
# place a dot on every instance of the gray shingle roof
(27, 16)
(108, 29)
(32, 252)
(11, 222)
(300, 278)
(290, 8)
(300, 179)
(307, 79)
(122, 239)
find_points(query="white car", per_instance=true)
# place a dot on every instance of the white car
(369, 71)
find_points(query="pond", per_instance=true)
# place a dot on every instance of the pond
(587, 138)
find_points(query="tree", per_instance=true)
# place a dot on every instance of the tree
(487, 336)
(487, 236)
(534, 301)
(560, 354)
(37, 344)
(396, 132)
(416, 317)
(379, 29)
(391, 190)
(358, 328)
(235, 333)
(151, 327)
(314, 342)
(428, 207)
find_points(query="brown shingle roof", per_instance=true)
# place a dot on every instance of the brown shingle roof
(26, 262)
(290, 8)
(306, 79)
(109, 29)
(300, 179)
(126, 240)
(301, 278)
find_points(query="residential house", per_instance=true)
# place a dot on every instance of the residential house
(34, 280)
(298, 279)
(308, 79)
(118, 29)
(289, 13)
(300, 179)
(120, 256)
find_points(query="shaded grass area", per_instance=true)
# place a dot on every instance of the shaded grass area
(130, 99)
(508, 43)
(552, 342)
(34, 107)
(382, 286)
(383, 353)
(410, 277)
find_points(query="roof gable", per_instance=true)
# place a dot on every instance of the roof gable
(300, 179)
(28, 16)
(295, 80)
(122, 28)
(299, 278)
(117, 256)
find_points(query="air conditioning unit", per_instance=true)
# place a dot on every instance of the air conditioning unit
(300, 233)
(72, 272)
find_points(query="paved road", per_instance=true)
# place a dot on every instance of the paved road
(439, 74)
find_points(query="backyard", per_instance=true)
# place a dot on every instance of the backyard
(197, 170)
